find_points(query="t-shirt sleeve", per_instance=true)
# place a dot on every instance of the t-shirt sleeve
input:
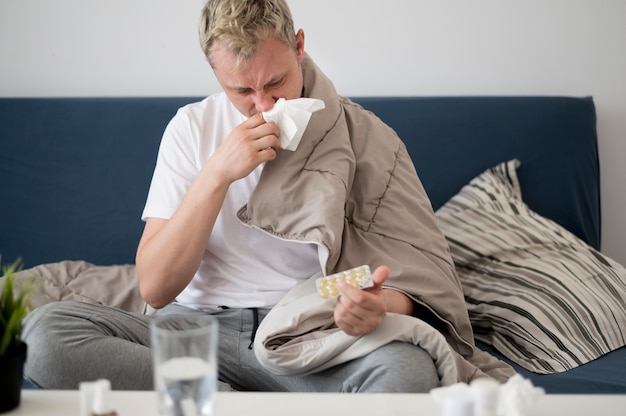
(175, 170)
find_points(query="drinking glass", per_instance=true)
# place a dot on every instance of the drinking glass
(184, 351)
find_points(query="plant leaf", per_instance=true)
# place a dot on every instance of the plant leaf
(14, 305)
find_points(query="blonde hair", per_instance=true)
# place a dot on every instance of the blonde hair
(239, 25)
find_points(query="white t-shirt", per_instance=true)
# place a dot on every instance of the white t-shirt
(242, 266)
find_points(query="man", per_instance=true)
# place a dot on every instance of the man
(234, 223)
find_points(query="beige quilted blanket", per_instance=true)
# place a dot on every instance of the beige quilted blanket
(299, 337)
(115, 286)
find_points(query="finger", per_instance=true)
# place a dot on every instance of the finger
(346, 319)
(257, 120)
(356, 304)
(265, 131)
(254, 121)
(267, 141)
(355, 324)
(380, 276)
(268, 153)
(348, 290)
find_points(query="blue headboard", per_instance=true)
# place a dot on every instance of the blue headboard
(74, 172)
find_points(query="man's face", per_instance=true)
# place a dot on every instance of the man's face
(273, 72)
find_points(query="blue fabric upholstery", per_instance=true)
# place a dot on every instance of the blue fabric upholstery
(74, 172)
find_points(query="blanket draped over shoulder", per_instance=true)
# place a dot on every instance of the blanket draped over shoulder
(351, 188)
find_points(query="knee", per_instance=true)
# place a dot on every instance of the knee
(36, 325)
(401, 367)
(43, 322)
(42, 333)
(419, 371)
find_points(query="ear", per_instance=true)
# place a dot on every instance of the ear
(208, 60)
(300, 44)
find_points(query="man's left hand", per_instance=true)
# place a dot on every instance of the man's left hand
(359, 311)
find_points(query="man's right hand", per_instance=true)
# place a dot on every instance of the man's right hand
(251, 143)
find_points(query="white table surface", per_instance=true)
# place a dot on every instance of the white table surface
(134, 403)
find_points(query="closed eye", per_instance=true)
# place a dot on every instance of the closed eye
(243, 91)
(276, 84)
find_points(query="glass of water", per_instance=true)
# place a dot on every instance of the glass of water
(184, 352)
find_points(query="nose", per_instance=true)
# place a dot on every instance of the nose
(263, 102)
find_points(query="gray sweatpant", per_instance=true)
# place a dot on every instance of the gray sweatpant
(70, 342)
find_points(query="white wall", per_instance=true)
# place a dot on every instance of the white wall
(368, 47)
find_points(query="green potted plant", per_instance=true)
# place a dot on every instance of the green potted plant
(14, 303)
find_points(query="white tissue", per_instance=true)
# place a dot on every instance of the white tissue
(485, 394)
(455, 400)
(292, 117)
(516, 397)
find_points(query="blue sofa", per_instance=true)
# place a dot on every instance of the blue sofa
(74, 174)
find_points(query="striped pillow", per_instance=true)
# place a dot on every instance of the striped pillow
(537, 293)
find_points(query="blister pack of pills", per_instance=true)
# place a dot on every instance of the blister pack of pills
(359, 277)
